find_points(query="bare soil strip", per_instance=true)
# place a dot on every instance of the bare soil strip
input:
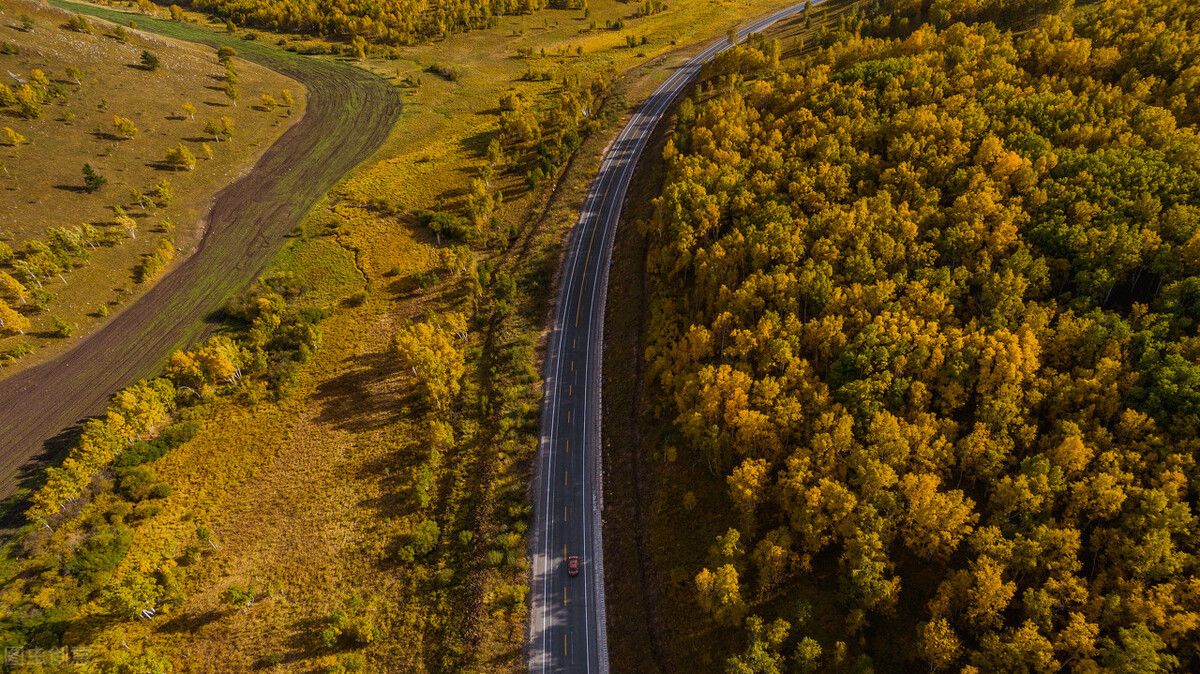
(350, 113)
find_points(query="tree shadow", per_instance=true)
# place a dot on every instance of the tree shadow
(354, 401)
(303, 642)
(77, 189)
(176, 118)
(191, 623)
(477, 143)
(161, 166)
(31, 475)
(104, 135)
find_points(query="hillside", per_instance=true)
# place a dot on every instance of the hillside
(82, 96)
(921, 348)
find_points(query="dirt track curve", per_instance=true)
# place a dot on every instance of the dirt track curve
(350, 112)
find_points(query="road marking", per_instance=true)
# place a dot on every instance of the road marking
(564, 604)
(568, 416)
(616, 169)
(564, 478)
(564, 519)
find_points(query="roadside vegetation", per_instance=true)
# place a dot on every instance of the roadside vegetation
(112, 143)
(347, 462)
(920, 362)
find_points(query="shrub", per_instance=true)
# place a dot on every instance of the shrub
(94, 560)
(79, 24)
(146, 510)
(445, 72)
(62, 328)
(452, 226)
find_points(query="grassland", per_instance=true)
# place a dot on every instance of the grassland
(313, 498)
(43, 181)
(348, 112)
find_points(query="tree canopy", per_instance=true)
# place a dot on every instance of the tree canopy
(926, 304)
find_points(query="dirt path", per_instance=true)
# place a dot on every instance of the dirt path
(350, 113)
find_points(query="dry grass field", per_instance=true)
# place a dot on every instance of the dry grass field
(43, 183)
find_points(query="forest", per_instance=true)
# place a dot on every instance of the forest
(924, 307)
(393, 22)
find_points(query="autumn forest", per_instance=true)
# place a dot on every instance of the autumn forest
(924, 306)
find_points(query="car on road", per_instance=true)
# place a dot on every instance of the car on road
(572, 566)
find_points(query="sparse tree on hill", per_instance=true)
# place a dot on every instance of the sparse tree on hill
(231, 91)
(208, 153)
(268, 102)
(226, 54)
(92, 181)
(75, 74)
(181, 157)
(149, 60)
(12, 322)
(125, 127)
(429, 351)
(231, 76)
(79, 24)
(12, 138)
(164, 193)
(190, 110)
(128, 224)
(213, 128)
(227, 127)
(176, 13)
(286, 97)
(12, 288)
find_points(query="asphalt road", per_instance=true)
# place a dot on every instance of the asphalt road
(567, 622)
(349, 114)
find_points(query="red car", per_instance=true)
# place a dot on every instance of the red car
(572, 566)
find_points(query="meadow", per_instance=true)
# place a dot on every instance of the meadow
(92, 80)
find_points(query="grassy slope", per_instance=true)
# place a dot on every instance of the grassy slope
(44, 176)
(349, 112)
(310, 496)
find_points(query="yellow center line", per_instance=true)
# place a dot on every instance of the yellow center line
(588, 256)
(564, 478)
(568, 416)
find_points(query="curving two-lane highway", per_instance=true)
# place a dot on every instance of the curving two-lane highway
(567, 622)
